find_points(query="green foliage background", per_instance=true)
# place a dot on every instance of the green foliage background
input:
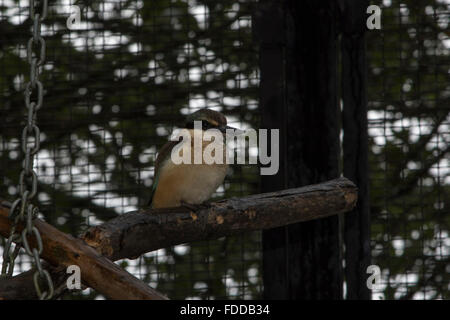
(409, 103)
(120, 82)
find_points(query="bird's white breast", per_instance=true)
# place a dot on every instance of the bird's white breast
(188, 182)
(197, 182)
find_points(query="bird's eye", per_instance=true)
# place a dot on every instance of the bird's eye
(205, 125)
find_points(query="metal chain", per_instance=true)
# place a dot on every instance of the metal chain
(21, 209)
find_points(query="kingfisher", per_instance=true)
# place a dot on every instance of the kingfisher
(190, 184)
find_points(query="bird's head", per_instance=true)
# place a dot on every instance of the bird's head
(210, 120)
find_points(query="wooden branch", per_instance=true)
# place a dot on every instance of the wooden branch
(21, 286)
(135, 233)
(97, 271)
(17, 287)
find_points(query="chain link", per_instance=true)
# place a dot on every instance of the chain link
(21, 209)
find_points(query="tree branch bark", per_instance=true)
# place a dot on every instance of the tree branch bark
(135, 233)
(97, 271)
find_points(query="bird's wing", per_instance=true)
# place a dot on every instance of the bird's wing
(163, 155)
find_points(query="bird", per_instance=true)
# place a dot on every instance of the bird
(189, 184)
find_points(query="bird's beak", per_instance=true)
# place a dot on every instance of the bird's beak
(231, 131)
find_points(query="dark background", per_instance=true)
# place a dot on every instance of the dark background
(118, 84)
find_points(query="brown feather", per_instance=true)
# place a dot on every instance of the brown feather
(163, 153)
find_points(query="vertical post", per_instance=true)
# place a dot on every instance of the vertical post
(270, 29)
(355, 145)
(298, 63)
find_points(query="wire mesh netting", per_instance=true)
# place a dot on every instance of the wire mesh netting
(117, 83)
(409, 129)
(123, 77)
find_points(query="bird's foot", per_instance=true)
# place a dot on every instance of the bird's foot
(195, 207)
(205, 205)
